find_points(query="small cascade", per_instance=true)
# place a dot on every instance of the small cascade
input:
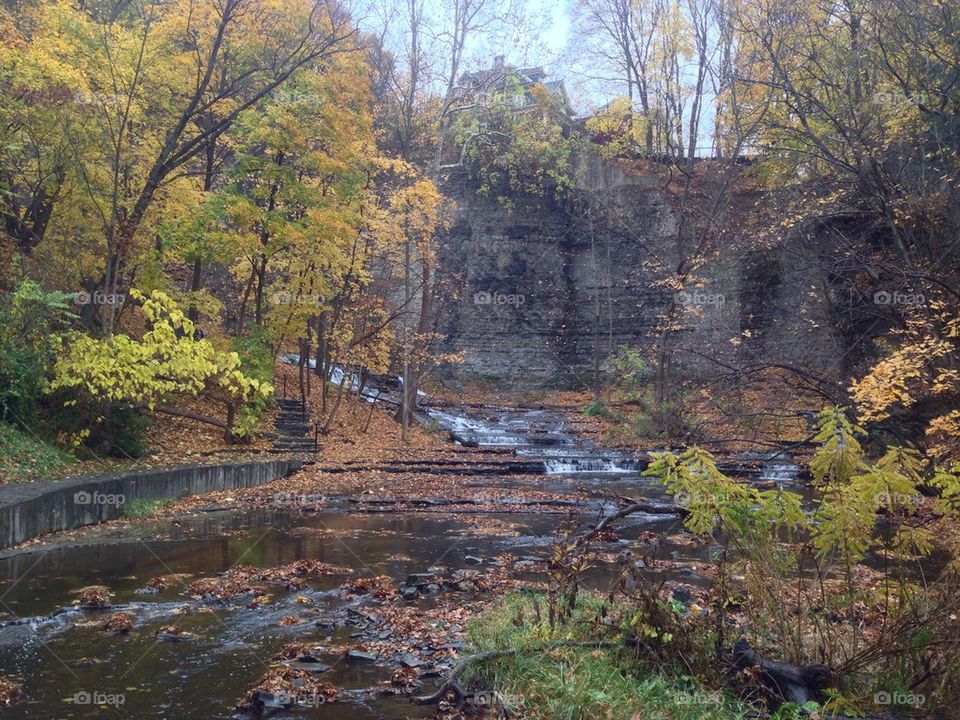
(782, 472)
(595, 465)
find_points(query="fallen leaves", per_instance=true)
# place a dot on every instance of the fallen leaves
(381, 587)
(120, 623)
(246, 580)
(10, 692)
(286, 687)
(97, 596)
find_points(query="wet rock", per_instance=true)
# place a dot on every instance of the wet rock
(433, 589)
(361, 656)
(472, 560)
(326, 622)
(681, 594)
(409, 593)
(417, 579)
(308, 663)
(466, 586)
(271, 701)
(410, 660)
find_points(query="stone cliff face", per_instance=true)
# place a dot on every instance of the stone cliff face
(535, 294)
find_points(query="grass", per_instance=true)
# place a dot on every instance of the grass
(571, 683)
(145, 508)
(24, 457)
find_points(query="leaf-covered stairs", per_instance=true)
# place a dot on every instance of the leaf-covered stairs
(293, 431)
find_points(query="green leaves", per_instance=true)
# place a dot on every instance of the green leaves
(169, 360)
(840, 523)
(839, 453)
(714, 501)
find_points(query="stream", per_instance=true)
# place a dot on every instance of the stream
(70, 668)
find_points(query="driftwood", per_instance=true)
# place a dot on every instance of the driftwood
(635, 506)
(784, 682)
(450, 682)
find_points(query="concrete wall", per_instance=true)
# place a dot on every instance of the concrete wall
(31, 509)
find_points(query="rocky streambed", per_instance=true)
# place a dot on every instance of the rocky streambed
(333, 604)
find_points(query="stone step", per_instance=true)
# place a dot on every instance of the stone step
(289, 403)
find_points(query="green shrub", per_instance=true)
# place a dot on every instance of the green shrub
(598, 409)
(30, 323)
(256, 360)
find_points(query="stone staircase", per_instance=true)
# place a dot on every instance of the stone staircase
(293, 428)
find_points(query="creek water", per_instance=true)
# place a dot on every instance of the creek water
(66, 663)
